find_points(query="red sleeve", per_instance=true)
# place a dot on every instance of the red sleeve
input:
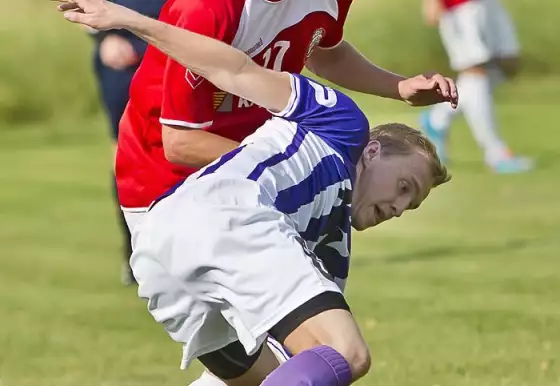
(188, 98)
(335, 34)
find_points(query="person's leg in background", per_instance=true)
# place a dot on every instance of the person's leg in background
(474, 36)
(114, 89)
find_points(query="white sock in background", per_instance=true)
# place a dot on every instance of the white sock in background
(441, 115)
(477, 105)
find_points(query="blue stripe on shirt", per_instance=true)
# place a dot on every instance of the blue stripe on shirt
(318, 226)
(278, 157)
(329, 171)
(209, 170)
(222, 161)
(338, 266)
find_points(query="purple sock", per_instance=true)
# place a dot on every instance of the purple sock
(320, 366)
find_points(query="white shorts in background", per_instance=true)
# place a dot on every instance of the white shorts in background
(476, 32)
(218, 268)
(133, 216)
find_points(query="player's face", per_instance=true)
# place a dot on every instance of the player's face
(386, 186)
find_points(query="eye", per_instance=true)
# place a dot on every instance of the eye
(404, 186)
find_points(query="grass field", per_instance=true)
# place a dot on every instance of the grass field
(464, 292)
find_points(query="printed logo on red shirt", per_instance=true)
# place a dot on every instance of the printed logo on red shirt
(193, 79)
(315, 40)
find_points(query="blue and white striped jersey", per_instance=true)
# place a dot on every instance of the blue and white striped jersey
(305, 160)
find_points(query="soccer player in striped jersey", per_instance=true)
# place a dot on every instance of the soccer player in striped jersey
(258, 242)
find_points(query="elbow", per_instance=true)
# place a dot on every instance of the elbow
(325, 62)
(177, 147)
(172, 153)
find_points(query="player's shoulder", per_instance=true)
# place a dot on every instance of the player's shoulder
(330, 114)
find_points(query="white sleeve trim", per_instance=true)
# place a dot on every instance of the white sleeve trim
(293, 101)
(190, 125)
(134, 210)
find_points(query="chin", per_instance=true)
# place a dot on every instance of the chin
(358, 226)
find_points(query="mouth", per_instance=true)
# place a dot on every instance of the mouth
(379, 216)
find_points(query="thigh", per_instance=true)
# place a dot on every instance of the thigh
(337, 329)
(114, 87)
(235, 367)
(196, 323)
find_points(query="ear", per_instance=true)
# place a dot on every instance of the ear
(371, 152)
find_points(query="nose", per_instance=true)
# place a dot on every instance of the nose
(398, 210)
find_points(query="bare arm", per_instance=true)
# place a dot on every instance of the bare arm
(226, 67)
(345, 66)
(192, 147)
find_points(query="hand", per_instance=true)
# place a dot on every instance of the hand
(117, 52)
(423, 90)
(101, 15)
(432, 11)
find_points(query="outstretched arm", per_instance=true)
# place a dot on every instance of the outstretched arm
(224, 66)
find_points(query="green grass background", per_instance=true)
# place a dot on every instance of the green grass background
(465, 291)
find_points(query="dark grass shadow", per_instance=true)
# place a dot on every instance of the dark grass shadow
(444, 252)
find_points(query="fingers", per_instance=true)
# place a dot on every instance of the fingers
(73, 4)
(76, 17)
(445, 87)
(453, 91)
(442, 84)
(68, 7)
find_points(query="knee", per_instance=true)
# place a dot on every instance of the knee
(335, 328)
(476, 70)
(357, 355)
(354, 351)
(509, 66)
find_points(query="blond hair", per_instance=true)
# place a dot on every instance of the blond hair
(400, 139)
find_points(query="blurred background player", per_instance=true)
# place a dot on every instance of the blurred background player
(117, 55)
(482, 46)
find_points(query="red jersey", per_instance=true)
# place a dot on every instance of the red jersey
(277, 34)
(448, 4)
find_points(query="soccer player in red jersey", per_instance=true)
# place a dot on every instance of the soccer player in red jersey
(177, 122)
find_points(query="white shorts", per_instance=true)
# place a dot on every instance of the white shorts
(218, 268)
(133, 216)
(476, 32)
